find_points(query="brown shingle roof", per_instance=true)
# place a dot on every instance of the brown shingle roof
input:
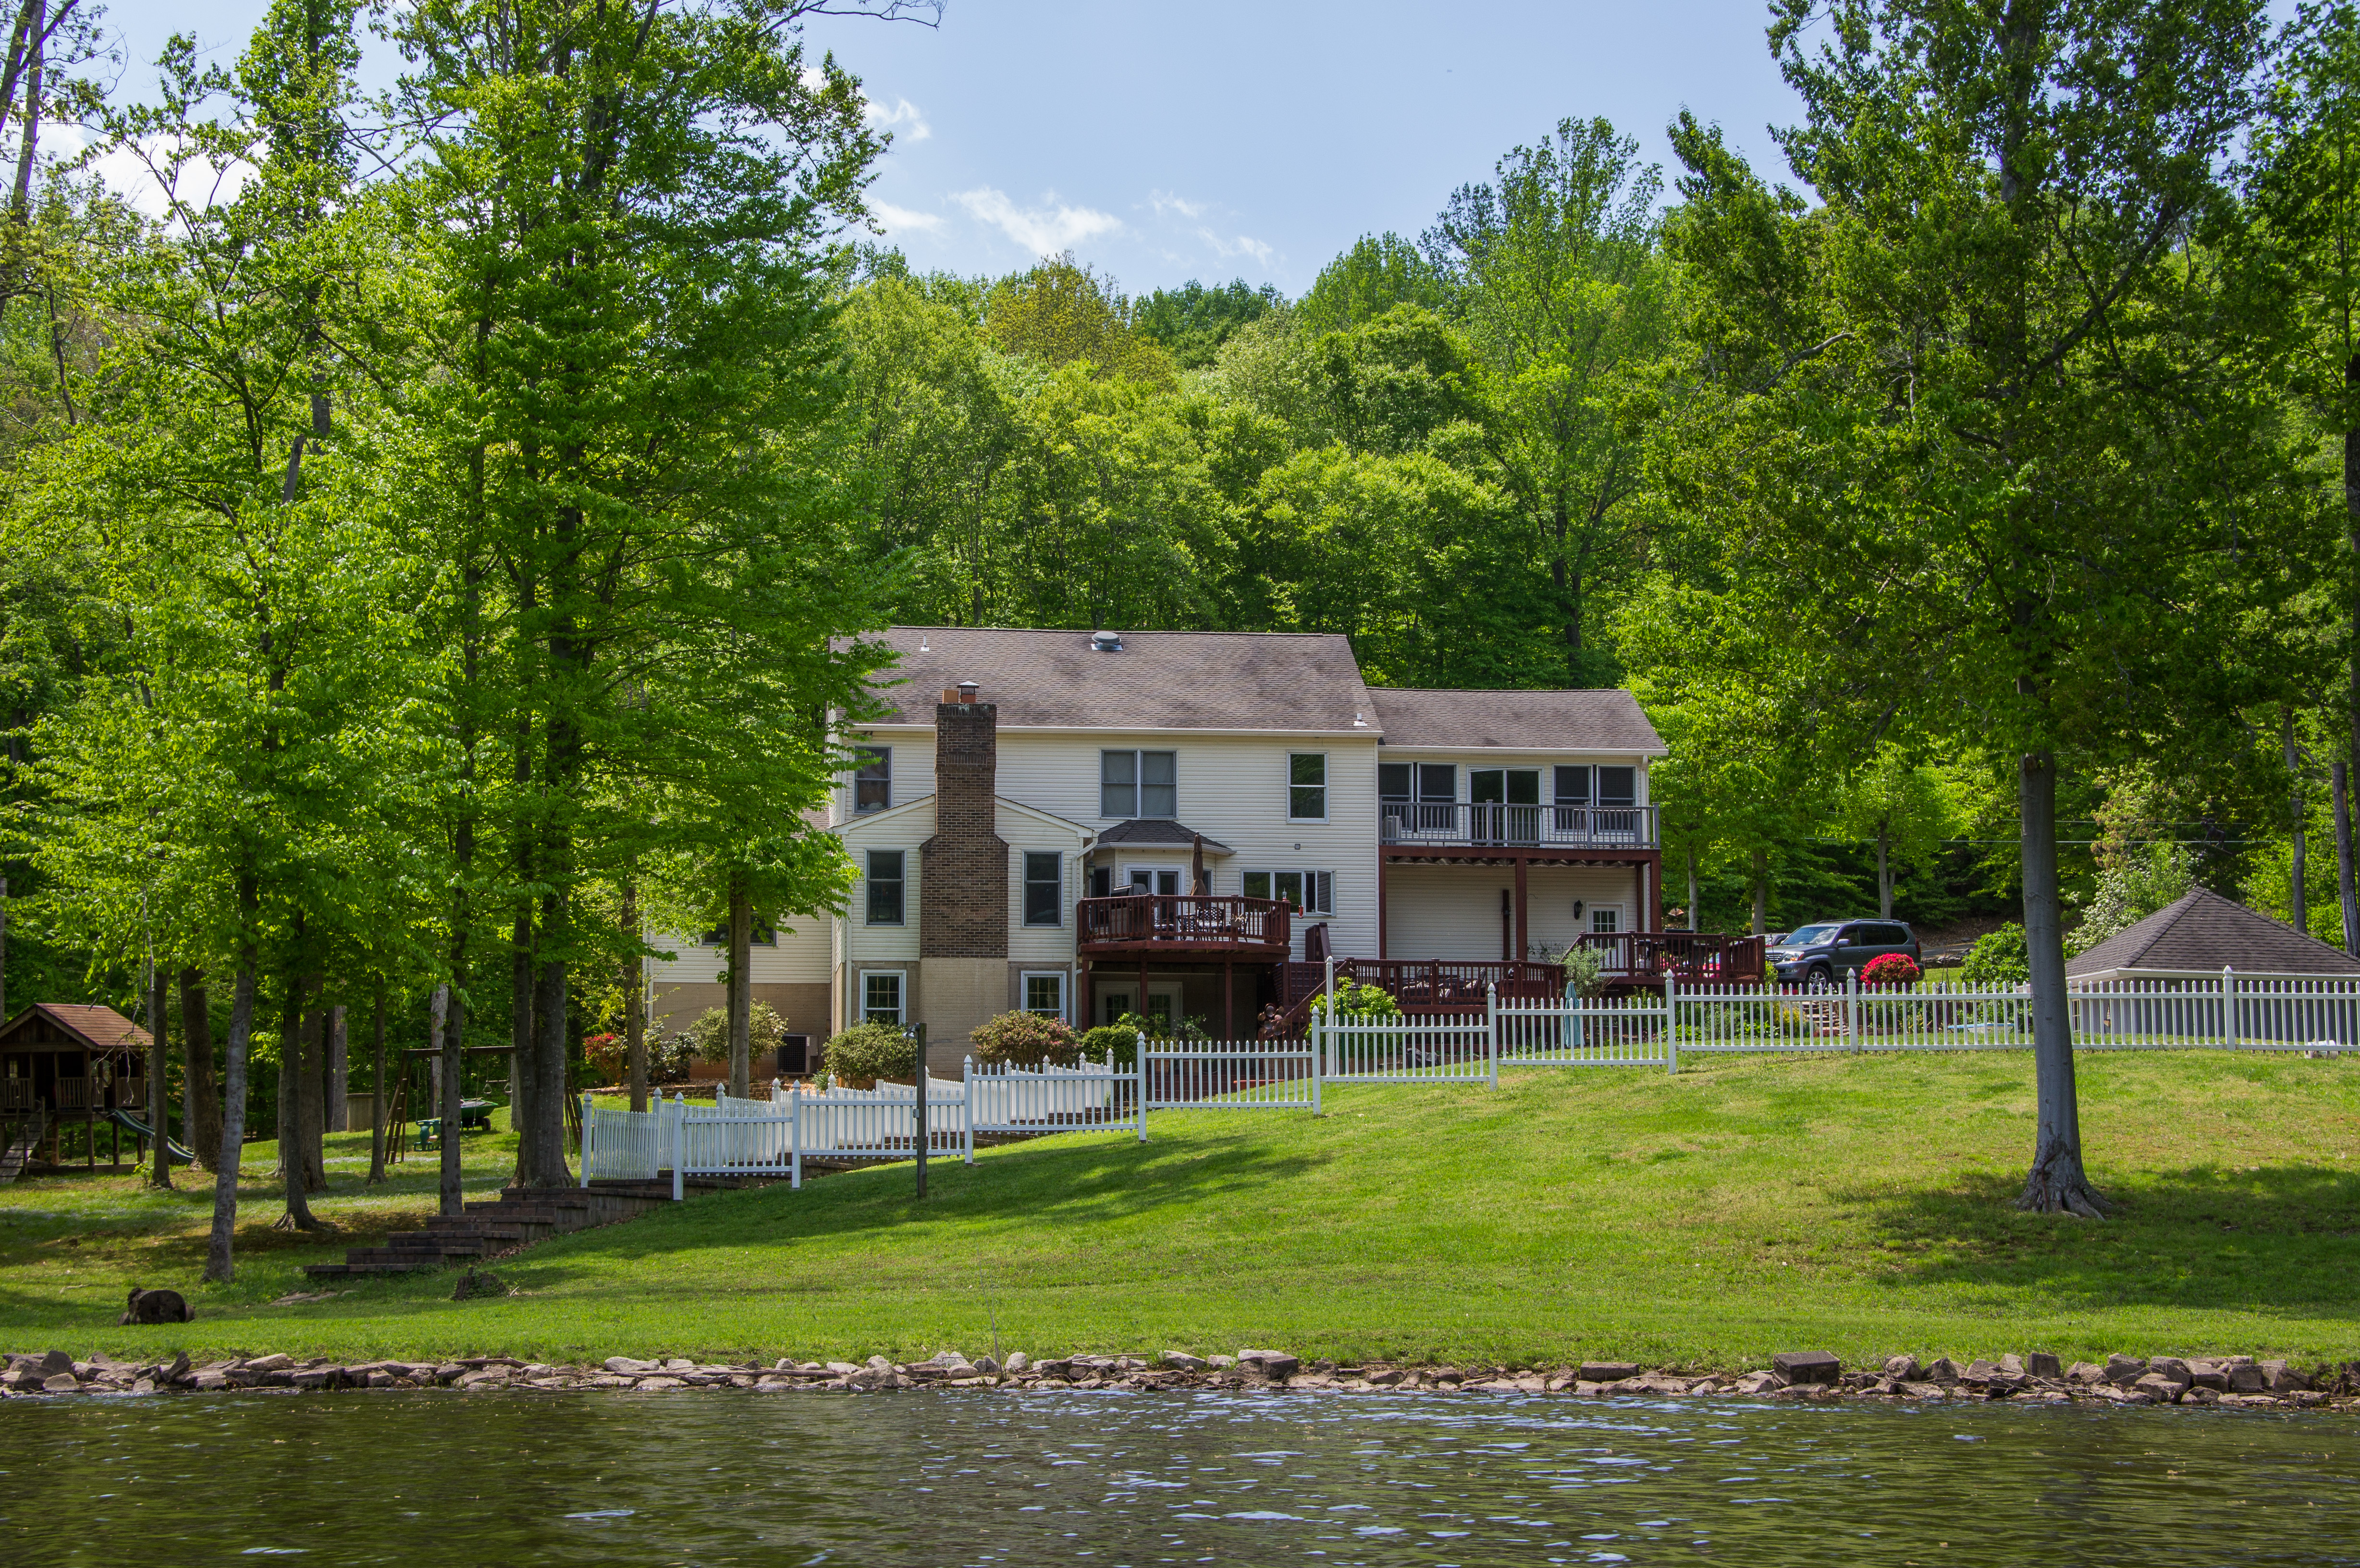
(1598, 720)
(2205, 931)
(100, 1027)
(1240, 680)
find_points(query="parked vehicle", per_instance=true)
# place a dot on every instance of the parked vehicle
(1820, 954)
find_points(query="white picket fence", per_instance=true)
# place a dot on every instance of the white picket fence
(1227, 1075)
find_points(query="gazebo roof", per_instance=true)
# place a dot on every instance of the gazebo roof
(50, 1025)
(2204, 933)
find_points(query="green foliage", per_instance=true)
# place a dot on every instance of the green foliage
(1379, 273)
(1193, 320)
(1117, 1044)
(1021, 1039)
(1997, 958)
(1061, 312)
(707, 1038)
(1355, 1001)
(2134, 888)
(1585, 970)
(866, 1052)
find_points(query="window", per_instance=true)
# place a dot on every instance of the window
(1310, 892)
(1154, 878)
(885, 883)
(1618, 787)
(1306, 786)
(881, 996)
(1606, 922)
(1045, 993)
(1138, 784)
(1044, 890)
(1573, 786)
(872, 781)
(763, 935)
(1394, 780)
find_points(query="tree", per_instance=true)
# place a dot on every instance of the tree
(1377, 274)
(1895, 801)
(1556, 277)
(2007, 459)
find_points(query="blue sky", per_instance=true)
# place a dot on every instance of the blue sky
(1220, 139)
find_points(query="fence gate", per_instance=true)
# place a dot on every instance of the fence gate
(1227, 1075)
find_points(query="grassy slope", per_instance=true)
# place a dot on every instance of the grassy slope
(1857, 1204)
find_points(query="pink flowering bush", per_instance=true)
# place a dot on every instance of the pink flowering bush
(1892, 969)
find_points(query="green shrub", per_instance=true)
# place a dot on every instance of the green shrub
(1356, 1000)
(1585, 970)
(708, 1037)
(1996, 960)
(862, 1054)
(1119, 1043)
(1023, 1039)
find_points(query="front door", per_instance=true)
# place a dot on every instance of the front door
(1506, 804)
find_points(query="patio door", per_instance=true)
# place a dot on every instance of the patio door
(1162, 1002)
(1154, 878)
(1505, 804)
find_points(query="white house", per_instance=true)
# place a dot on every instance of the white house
(1179, 824)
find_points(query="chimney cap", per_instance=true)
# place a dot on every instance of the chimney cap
(968, 691)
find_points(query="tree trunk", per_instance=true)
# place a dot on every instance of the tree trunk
(1760, 892)
(522, 1040)
(2057, 1182)
(339, 1072)
(294, 1075)
(4, 949)
(314, 1103)
(376, 1083)
(741, 985)
(2338, 783)
(1883, 872)
(546, 1131)
(442, 1034)
(201, 1117)
(635, 1022)
(221, 1263)
(159, 1073)
(1692, 893)
(2298, 810)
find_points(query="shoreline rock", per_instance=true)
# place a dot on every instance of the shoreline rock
(2236, 1382)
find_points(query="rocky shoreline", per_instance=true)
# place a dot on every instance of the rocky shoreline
(2237, 1380)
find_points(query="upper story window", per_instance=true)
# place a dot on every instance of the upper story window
(885, 887)
(1306, 786)
(1586, 786)
(1139, 784)
(764, 935)
(1429, 781)
(872, 781)
(1044, 887)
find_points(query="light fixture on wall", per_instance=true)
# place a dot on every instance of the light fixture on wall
(1577, 908)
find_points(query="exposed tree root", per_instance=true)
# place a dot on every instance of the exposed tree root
(2044, 1194)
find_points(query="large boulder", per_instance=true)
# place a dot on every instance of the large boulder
(1799, 1367)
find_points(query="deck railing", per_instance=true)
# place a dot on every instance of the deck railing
(1427, 983)
(1693, 958)
(1183, 920)
(1455, 824)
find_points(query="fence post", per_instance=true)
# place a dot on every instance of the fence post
(585, 1138)
(679, 1148)
(1492, 1032)
(1851, 1009)
(1671, 1027)
(795, 1146)
(966, 1098)
(1315, 1076)
(2229, 1007)
(1139, 1064)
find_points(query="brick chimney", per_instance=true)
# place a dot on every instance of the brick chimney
(963, 870)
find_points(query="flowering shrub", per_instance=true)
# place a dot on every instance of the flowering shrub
(1023, 1039)
(1892, 969)
(604, 1053)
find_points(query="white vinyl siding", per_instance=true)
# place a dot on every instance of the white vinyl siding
(1453, 911)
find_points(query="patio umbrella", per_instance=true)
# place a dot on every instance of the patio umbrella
(1197, 868)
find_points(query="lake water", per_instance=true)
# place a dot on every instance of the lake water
(1109, 1478)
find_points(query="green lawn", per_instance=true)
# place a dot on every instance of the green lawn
(1859, 1205)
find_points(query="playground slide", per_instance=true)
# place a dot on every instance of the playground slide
(138, 1129)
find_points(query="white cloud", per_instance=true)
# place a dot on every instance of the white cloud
(1164, 201)
(1243, 244)
(902, 219)
(137, 173)
(902, 113)
(1043, 231)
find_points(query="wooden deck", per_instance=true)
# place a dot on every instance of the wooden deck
(1183, 925)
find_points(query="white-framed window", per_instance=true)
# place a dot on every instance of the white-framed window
(884, 996)
(1607, 921)
(1044, 992)
(872, 779)
(1310, 892)
(887, 885)
(1139, 784)
(1151, 878)
(761, 934)
(1306, 786)
(1044, 887)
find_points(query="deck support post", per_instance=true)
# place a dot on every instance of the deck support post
(1523, 917)
(1229, 999)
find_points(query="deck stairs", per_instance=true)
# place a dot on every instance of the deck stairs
(517, 1218)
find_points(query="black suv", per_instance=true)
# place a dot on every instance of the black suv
(1820, 955)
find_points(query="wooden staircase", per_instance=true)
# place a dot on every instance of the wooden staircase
(517, 1218)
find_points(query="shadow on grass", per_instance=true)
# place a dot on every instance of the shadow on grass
(2276, 1237)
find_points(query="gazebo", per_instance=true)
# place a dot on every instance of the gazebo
(61, 1062)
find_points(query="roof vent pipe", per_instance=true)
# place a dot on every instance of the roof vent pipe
(1106, 642)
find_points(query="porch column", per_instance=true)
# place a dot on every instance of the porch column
(1229, 999)
(1142, 984)
(1381, 904)
(1523, 917)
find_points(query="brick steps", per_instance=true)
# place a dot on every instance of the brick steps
(517, 1218)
